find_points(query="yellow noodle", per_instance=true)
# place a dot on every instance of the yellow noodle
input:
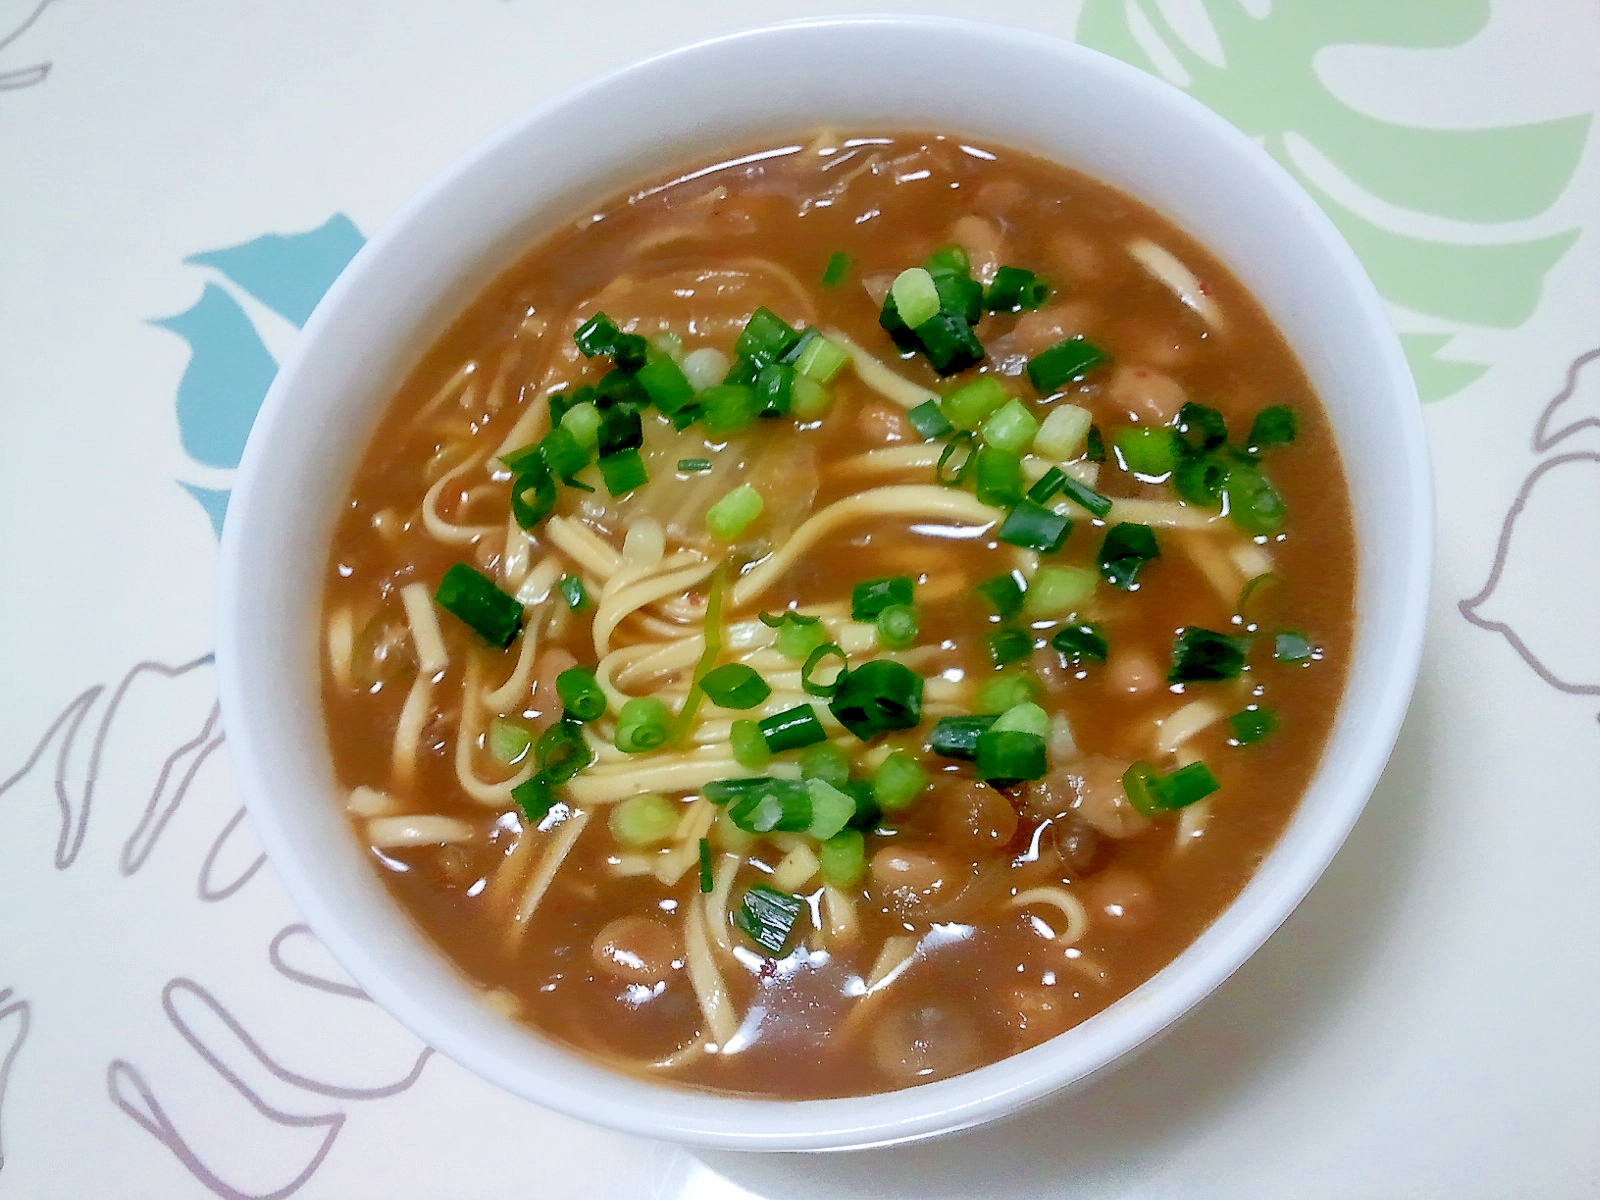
(585, 547)
(427, 829)
(616, 605)
(468, 731)
(370, 802)
(445, 531)
(408, 731)
(706, 979)
(519, 683)
(716, 901)
(341, 646)
(426, 636)
(1065, 902)
(560, 846)
(879, 377)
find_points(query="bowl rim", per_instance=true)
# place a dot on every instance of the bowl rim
(390, 973)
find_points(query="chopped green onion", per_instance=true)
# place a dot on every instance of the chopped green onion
(868, 814)
(742, 374)
(1006, 756)
(666, 344)
(534, 798)
(916, 298)
(793, 729)
(1200, 428)
(562, 453)
(957, 737)
(1094, 445)
(1007, 646)
(951, 259)
(843, 859)
(533, 496)
(1062, 432)
(838, 267)
(526, 460)
(1251, 725)
(898, 330)
(1148, 451)
(707, 878)
(1260, 595)
(573, 592)
(928, 419)
(1011, 427)
(1034, 527)
(899, 780)
(1057, 591)
(620, 429)
(1142, 786)
(898, 626)
(1186, 785)
(1004, 593)
(1275, 426)
(1254, 505)
(694, 466)
(597, 335)
(765, 338)
(580, 694)
(769, 805)
(808, 400)
(1199, 480)
(1047, 486)
(642, 725)
(620, 387)
(799, 636)
(1205, 656)
(623, 472)
(821, 359)
(1068, 361)
(768, 917)
(1015, 290)
(732, 791)
(1291, 647)
(472, 598)
(730, 408)
(1086, 497)
(775, 389)
(815, 687)
(561, 752)
(665, 383)
(970, 405)
(643, 820)
(1006, 691)
(735, 685)
(561, 403)
(1124, 552)
(831, 809)
(704, 368)
(876, 697)
(508, 741)
(749, 747)
(955, 476)
(1080, 644)
(686, 416)
(826, 762)
(872, 596)
(583, 421)
(949, 343)
(733, 514)
(1024, 717)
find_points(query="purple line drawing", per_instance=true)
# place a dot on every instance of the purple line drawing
(224, 1049)
(24, 77)
(1557, 504)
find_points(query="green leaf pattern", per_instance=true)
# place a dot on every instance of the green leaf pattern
(1253, 62)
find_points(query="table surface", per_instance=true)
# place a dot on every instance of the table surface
(179, 181)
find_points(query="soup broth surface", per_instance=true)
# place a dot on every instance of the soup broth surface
(970, 919)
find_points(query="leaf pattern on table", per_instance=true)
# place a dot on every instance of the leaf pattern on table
(16, 78)
(230, 366)
(247, 1081)
(1253, 61)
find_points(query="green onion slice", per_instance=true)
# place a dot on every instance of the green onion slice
(1152, 794)
(735, 685)
(898, 626)
(580, 694)
(1069, 360)
(1080, 644)
(573, 592)
(533, 496)
(929, 420)
(767, 917)
(1124, 552)
(876, 697)
(954, 476)
(872, 596)
(1007, 646)
(561, 752)
(642, 725)
(471, 597)
(999, 477)
(766, 338)
(707, 880)
(1205, 656)
(1034, 527)
(1004, 593)
(1275, 426)
(694, 466)
(1292, 647)
(1007, 756)
(1015, 290)
(534, 798)
(814, 687)
(1200, 428)
(793, 729)
(623, 472)
(1251, 725)
(838, 267)
(957, 737)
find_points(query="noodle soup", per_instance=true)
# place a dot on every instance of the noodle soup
(839, 617)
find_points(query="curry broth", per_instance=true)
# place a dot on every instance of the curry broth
(989, 977)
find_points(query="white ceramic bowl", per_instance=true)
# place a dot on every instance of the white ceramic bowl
(1078, 108)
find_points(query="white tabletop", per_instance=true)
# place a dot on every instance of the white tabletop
(1424, 1025)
